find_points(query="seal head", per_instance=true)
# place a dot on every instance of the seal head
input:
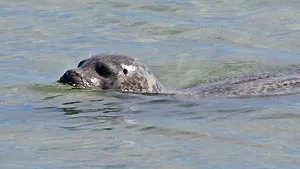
(115, 72)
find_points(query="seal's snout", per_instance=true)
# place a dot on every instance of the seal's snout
(70, 77)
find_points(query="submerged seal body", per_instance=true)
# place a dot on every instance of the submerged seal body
(267, 84)
(123, 73)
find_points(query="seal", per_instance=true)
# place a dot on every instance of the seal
(114, 72)
(126, 74)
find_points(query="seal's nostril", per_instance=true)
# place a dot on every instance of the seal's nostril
(68, 72)
(70, 77)
(67, 76)
(72, 73)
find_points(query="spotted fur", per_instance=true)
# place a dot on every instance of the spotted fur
(116, 72)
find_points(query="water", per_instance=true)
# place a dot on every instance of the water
(44, 125)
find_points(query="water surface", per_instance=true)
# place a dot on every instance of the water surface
(45, 125)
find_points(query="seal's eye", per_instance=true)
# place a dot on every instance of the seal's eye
(80, 63)
(103, 71)
(125, 71)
